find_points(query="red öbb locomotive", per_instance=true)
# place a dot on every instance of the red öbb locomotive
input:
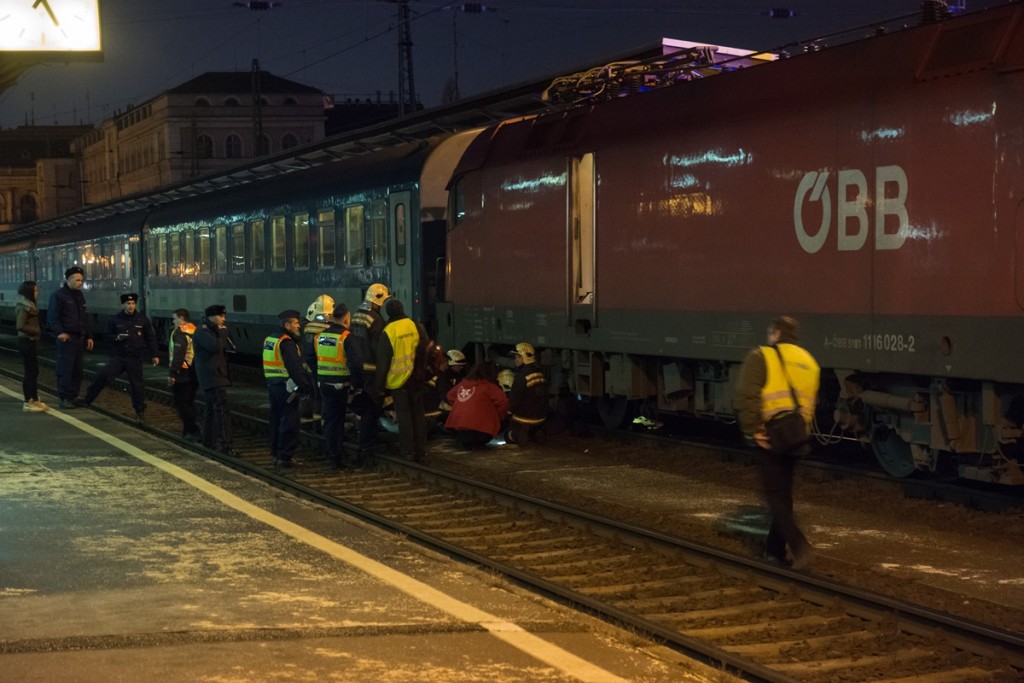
(873, 190)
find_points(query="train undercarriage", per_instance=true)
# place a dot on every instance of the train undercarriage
(913, 425)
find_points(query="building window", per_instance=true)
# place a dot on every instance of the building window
(28, 208)
(233, 147)
(231, 102)
(202, 102)
(204, 147)
(290, 102)
(289, 140)
(265, 145)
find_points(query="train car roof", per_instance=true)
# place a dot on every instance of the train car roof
(983, 40)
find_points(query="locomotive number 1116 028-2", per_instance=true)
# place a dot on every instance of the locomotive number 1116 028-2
(899, 343)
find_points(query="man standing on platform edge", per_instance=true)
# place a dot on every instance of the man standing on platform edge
(287, 382)
(69, 323)
(132, 335)
(777, 378)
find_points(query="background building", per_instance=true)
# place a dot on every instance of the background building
(39, 176)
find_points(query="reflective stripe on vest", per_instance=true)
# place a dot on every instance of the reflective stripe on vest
(273, 363)
(404, 339)
(330, 354)
(189, 329)
(803, 373)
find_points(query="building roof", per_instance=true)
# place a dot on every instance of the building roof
(220, 82)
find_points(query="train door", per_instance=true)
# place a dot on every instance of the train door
(581, 219)
(402, 276)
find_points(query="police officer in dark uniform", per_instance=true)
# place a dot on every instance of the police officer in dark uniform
(367, 326)
(133, 339)
(287, 380)
(69, 323)
(211, 343)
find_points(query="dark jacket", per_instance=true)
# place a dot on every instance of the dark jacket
(211, 344)
(67, 313)
(132, 336)
(309, 334)
(291, 355)
(528, 398)
(26, 316)
(367, 326)
(176, 363)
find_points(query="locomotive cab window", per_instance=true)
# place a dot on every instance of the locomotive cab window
(238, 247)
(257, 255)
(458, 210)
(301, 223)
(379, 234)
(355, 247)
(279, 255)
(325, 223)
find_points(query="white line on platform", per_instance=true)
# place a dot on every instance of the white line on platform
(514, 635)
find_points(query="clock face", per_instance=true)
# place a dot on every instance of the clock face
(50, 25)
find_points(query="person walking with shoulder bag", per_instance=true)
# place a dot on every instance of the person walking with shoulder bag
(776, 396)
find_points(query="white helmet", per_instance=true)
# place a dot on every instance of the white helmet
(321, 306)
(456, 357)
(376, 294)
(505, 379)
(526, 352)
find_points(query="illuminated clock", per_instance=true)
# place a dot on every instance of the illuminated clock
(50, 26)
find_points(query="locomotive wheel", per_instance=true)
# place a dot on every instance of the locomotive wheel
(613, 410)
(892, 453)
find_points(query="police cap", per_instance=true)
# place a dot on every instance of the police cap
(289, 314)
(130, 296)
(215, 309)
(73, 270)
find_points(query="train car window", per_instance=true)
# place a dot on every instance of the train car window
(401, 235)
(220, 264)
(301, 241)
(238, 247)
(325, 222)
(379, 233)
(90, 259)
(161, 255)
(174, 254)
(355, 246)
(204, 250)
(257, 255)
(106, 272)
(189, 238)
(126, 259)
(278, 237)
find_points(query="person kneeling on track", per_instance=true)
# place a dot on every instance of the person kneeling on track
(478, 407)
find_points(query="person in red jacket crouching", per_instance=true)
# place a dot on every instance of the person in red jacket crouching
(478, 407)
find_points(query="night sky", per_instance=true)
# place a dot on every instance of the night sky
(349, 47)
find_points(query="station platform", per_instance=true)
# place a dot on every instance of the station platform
(123, 558)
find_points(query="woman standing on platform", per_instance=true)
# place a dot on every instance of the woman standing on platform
(29, 331)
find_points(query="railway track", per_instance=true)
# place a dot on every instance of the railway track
(749, 618)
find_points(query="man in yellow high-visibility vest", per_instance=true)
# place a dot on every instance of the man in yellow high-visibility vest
(401, 355)
(287, 380)
(778, 377)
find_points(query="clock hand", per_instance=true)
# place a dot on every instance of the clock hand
(49, 11)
